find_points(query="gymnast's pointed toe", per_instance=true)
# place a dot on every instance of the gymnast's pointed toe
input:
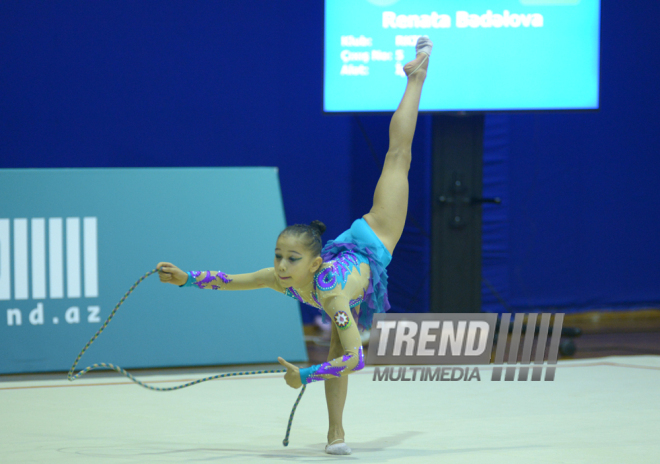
(424, 45)
(421, 62)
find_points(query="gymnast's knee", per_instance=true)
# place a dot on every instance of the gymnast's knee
(399, 158)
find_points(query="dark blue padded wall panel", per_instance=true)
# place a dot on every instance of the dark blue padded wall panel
(582, 222)
(495, 229)
(127, 84)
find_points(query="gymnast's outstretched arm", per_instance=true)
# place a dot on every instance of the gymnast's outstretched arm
(337, 307)
(218, 280)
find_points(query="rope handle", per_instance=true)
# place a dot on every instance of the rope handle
(71, 377)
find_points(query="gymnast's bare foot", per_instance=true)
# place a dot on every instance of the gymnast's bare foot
(420, 64)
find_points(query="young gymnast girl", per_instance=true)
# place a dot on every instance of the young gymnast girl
(346, 279)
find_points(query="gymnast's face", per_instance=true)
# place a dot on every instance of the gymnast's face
(294, 264)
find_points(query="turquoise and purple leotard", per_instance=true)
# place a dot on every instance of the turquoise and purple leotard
(350, 287)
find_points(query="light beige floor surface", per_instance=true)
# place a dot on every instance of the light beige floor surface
(596, 411)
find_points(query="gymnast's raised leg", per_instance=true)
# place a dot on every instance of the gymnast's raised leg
(388, 213)
(387, 216)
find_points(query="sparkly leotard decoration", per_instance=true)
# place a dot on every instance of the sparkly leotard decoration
(315, 373)
(339, 270)
(326, 279)
(215, 280)
(341, 320)
(293, 293)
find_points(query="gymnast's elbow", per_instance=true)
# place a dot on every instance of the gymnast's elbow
(357, 367)
(356, 362)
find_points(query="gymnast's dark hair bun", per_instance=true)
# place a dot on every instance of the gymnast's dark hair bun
(310, 234)
(318, 225)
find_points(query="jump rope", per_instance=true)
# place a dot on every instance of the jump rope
(118, 369)
(72, 377)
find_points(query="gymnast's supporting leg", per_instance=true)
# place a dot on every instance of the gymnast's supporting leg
(387, 218)
(388, 214)
(335, 395)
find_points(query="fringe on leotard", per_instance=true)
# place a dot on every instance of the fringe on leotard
(375, 297)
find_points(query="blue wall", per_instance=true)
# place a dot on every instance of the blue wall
(157, 83)
(581, 222)
(124, 84)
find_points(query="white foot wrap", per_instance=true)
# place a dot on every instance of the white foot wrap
(424, 45)
(337, 448)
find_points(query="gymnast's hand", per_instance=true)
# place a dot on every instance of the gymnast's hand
(292, 376)
(171, 274)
